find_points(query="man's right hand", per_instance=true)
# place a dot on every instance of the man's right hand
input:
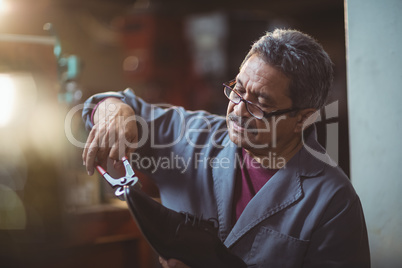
(113, 136)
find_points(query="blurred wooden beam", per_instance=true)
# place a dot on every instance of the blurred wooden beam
(30, 39)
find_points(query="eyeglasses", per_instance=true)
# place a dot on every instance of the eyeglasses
(252, 108)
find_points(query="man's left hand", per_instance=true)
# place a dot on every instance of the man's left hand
(172, 263)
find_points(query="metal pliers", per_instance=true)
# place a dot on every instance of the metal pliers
(119, 184)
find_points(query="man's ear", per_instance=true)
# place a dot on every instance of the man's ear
(305, 118)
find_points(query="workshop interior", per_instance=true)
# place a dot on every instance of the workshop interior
(54, 54)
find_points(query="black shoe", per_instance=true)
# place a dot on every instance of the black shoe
(179, 236)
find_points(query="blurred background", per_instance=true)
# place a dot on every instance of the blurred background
(54, 54)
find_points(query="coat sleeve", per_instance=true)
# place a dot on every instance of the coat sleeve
(341, 240)
(164, 129)
(147, 115)
(91, 103)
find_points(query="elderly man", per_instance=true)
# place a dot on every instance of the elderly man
(277, 205)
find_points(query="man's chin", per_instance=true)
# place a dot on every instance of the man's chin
(240, 139)
(248, 142)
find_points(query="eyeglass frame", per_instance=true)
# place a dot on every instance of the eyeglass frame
(231, 83)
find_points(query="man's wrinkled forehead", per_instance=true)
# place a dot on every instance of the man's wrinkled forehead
(264, 94)
(255, 67)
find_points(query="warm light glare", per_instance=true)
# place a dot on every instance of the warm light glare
(4, 6)
(7, 96)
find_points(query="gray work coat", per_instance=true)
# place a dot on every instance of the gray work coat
(306, 215)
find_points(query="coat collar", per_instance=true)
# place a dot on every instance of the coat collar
(224, 183)
(281, 191)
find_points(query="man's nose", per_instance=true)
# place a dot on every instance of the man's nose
(240, 109)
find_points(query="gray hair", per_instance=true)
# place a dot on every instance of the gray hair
(303, 60)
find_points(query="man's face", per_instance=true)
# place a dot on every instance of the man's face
(265, 86)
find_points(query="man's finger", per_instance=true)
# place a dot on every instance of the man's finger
(90, 138)
(117, 151)
(163, 262)
(131, 146)
(91, 156)
(104, 148)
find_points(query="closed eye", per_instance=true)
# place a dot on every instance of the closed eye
(265, 105)
(240, 90)
(266, 102)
